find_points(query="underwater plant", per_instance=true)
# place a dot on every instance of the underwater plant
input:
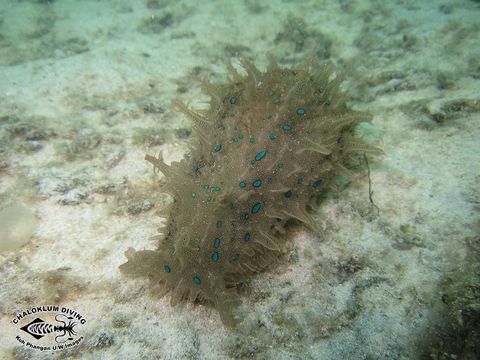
(268, 145)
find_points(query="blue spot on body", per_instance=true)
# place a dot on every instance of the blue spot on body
(260, 155)
(269, 180)
(276, 101)
(218, 147)
(317, 183)
(219, 224)
(197, 280)
(233, 100)
(288, 194)
(257, 183)
(209, 198)
(300, 111)
(215, 256)
(216, 243)
(194, 194)
(286, 127)
(240, 136)
(270, 93)
(273, 136)
(242, 184)
(256, 208)
(252, 140)
(247, 237)
(244, 217)
(167, 269)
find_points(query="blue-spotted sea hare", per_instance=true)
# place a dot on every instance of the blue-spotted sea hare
(268, 144)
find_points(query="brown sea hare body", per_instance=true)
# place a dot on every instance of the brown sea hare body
(267, 145)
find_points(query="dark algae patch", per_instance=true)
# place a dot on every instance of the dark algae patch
(268, 145)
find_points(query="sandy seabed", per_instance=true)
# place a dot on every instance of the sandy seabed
(85, 91)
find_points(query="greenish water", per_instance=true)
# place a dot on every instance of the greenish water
(85, 92)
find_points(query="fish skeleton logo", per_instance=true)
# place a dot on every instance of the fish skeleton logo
(54, 329)
(39, 328)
